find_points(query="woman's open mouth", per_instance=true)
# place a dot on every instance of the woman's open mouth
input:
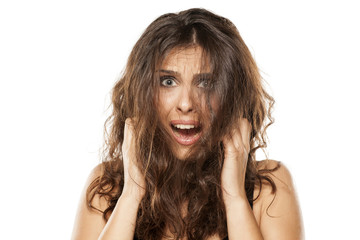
(186, 132)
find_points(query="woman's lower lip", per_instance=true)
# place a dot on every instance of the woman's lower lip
(186, 140)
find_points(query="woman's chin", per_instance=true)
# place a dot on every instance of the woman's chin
(181, 152)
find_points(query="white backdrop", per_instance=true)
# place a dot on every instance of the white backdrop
(59, 60)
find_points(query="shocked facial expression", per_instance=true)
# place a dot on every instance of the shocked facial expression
(184, 79)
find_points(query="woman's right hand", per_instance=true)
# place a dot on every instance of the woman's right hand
(134, 181)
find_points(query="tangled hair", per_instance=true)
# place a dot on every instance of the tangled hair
(195, 182)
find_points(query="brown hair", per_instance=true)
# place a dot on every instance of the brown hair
(169, 182)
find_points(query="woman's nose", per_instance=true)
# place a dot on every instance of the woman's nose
(185, 102)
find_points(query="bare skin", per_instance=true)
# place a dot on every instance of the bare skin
(282, 220)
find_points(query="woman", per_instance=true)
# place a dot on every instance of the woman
(188, 115)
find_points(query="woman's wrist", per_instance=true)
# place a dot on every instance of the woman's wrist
(135, 193)
(230, 199)
(235, 204)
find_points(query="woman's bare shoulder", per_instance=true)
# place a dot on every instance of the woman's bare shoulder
(267, 164)
(277, 210)
(89, 221)
(96, 173)
(280, 176)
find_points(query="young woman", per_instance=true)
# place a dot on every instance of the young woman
(188, 115)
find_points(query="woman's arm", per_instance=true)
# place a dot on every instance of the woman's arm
(89, 224)
(284, 221)
(241, 222)
(279, 216)
(122, 222)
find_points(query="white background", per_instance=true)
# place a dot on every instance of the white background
(59, 60)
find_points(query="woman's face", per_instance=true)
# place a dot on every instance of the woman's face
(184, 78)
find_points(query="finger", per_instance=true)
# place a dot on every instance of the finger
(245, 131)
(238, 140)
(129, 127)
(228, 143)
(233, 146)
(245, 127)
(128, 142)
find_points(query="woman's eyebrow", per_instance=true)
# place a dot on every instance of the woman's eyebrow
(198, 75)
(203, 75)
(169, 72)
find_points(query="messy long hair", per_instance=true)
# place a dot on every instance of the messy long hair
(235, 82)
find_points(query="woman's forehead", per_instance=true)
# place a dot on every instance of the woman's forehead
(193, 57)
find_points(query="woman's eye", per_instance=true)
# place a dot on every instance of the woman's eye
(204, 83)
(167, 81)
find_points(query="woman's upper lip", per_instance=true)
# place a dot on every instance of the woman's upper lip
(185, 122)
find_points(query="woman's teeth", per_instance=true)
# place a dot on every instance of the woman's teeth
(186, 134)
(181, 126)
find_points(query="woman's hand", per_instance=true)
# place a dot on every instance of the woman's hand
(237, 148)
(134, 180)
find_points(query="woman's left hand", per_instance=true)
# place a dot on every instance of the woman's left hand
(237, 148)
